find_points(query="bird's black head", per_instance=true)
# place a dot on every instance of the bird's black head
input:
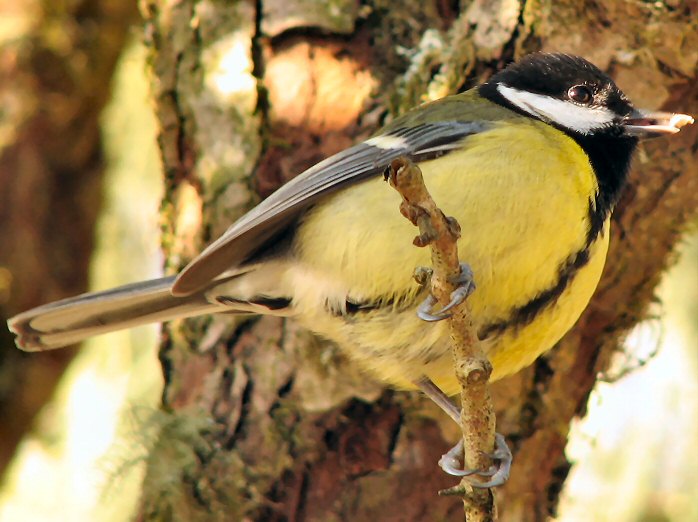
(565, 91)
(575, 96)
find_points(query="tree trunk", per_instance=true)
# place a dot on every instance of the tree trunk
(56, 63)
(264, 422)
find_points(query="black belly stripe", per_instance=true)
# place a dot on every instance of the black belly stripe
(526, 313)
(353, 307)
(597, 215)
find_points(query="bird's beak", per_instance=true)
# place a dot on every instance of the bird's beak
(646, 124)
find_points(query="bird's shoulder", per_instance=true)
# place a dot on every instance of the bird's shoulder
(467, 106)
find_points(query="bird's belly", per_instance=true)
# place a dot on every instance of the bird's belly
(398, 347)
(524, 232)
(516, 344)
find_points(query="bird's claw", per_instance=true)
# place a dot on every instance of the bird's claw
(450, 463)
(466, 286)
(424, 310)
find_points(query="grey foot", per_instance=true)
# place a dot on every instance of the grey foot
(466, 286)
(450, 462)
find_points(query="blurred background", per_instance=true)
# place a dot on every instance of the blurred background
(83, 460)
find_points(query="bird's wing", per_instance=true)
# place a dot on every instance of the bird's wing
(274, 214)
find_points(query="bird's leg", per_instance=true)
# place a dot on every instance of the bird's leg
(442, 400)
(450, 462)
(465, 287)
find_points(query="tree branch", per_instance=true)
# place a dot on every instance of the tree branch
(472, 368)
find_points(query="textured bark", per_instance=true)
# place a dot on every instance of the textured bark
(56, 62)
(263, 422)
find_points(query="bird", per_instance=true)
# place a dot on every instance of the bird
(531, 163)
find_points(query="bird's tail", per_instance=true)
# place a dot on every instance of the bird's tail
(71, 320)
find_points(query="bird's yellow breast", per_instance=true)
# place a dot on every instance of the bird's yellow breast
(521, 193)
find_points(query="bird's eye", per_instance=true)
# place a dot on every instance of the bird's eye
(580, 94)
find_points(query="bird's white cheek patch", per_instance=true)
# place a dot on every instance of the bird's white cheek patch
(564, 113)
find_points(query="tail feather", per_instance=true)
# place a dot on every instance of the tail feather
(71, 320)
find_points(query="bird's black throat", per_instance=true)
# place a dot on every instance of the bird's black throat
(610, 157)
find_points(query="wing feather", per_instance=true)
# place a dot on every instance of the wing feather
(273, 215)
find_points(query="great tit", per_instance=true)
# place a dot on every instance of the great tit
(530, 163)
